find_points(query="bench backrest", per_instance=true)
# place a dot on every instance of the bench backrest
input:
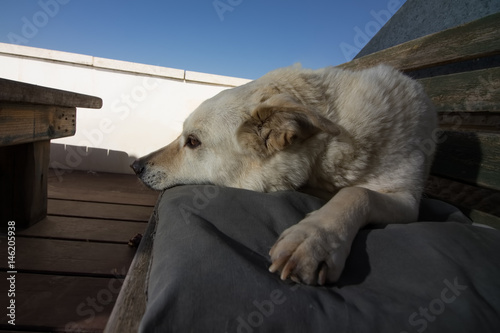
(459, 69)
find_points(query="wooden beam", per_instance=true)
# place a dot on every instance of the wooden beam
(20, 92)
(469, 121)
(476, 39)
(22, 123)
(132, 300)
(470, 91)
(23, 175)
(479, 204)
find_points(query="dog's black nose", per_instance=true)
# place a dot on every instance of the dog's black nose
(138, 166)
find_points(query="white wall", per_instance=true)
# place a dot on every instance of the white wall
(143, 106)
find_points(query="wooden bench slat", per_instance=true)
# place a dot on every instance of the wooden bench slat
(472, 40)
(22, 123)
(469, 121)
(472, 157)
(20, 92)
(470, 91)
(480, 204)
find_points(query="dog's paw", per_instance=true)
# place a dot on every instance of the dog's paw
(309, 253)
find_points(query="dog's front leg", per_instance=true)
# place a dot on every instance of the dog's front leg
(315, 250)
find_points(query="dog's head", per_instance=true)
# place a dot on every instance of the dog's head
(254, 137)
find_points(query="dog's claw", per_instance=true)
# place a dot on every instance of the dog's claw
(278, 262)
(273, 268)
(288, 269)
(322, 274)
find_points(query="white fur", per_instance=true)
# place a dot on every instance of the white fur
(354, 135)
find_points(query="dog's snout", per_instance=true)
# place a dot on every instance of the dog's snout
(138, 166)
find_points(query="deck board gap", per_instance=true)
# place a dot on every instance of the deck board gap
(118, 276)
(55, 198)
(99, 218)
(75, 239)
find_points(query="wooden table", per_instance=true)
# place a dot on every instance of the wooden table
(30, 116)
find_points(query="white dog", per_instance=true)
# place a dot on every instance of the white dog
(356, 135)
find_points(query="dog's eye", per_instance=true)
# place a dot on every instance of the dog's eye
(192, 142)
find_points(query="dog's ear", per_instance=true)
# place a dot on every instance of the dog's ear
(280, 121)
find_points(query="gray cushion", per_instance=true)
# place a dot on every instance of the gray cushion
(210, 270)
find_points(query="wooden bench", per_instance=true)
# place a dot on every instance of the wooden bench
(30, 116)
(459, 70)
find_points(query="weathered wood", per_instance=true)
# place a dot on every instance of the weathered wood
(117, 188)
(99, 210)
(82, 271)
(21, 123)
(470, 91)
(51, 303)
(74, 228)
(70, 257)
(23, 177)
(29, 117)
(471, 157)
(480, 204)
(471, 121)
(131, 302)
(472, 40)
(20, 92)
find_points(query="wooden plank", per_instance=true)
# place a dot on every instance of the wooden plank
(102, 187)
(73, 228)
(472, 157)
(70, 257)
(475, 121)
(99, 210)
(484, 218)
(471, 91)
(28, 123)
(50, 303)
(132, 300)
(20, 92)
(479, 204)
(472, 40)
(464, 195)
(23, 175)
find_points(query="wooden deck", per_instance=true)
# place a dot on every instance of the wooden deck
(70, 266)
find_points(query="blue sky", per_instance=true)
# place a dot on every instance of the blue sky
(241, 38)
